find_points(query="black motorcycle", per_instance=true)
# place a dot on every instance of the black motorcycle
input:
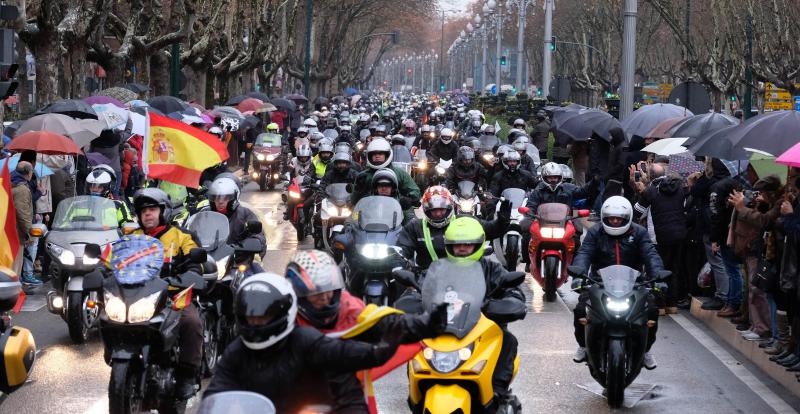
(268, 160)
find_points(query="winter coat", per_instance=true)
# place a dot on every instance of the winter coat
(566, 193)
(528, 164)
(279, 118)
(720, 210)
(541, 134)
(332, 176)
(506, 179)
(128, 161)
(664, 198)
(23, 205)
(633, 249)
(599, 158)
(748, 226)
(277, 372)
(474, 172)
(442, 152)
(409, 192)
(701, 194)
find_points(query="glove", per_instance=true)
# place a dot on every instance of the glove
(384, 349)
(504, 214)
(437, 320)
(408, 202)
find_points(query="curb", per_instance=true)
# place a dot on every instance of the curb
(727, 331)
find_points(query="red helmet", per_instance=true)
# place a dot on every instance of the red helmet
(437, 197)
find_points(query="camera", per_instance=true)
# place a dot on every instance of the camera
(750, 196)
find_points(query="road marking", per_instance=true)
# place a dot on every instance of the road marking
(33, 303)
(99, 406)
(736, 367)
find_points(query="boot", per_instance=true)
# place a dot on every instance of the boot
(185, 380)
(786, 352)
(775, 349)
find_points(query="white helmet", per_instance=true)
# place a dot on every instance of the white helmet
(379, 145)
(102, 176)
(520, 122)
(511, 155)
(552, 169)
(268, 296)
(446, 135)
(304, 155)
(616, 206)
(567, 173)
(226, 188)
(310, 123)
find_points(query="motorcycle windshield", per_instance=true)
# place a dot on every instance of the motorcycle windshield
(136, 259)
(342, 147)
(552, 212)
(268, 140)
(515, 195)
(466, 189)
(401, 154)
(618, 280)
(488, 142)
(378, 214)
(236, 402)
(338, 193)
(462, 287)
(87, 213)
(210, 227)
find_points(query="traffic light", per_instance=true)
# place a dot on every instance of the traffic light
(538, 92)
(553, 44)
(503, 60)
(395, 37)
(733, 98)
(608, 94)
(441, 87)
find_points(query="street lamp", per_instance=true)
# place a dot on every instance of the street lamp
(498, 16)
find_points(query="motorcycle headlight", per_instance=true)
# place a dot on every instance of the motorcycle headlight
(466, 204)
(65, 256)
(440, 170)
(445, 362)
(143, 309)
(115, 307)
(618, 305)
(558, 233)
(422, 165)
(90, 260)
(345, 212)
(270, 157)
(294, 194)
(375, 250)
(546, 232)
(260, 157)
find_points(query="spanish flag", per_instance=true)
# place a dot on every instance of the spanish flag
(179, 153)
(9, 240)
(403, 354)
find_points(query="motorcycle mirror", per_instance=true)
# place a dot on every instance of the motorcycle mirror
(513, 279)
(38, 230)
(92, 251)
(584, 213)
(198, 255)
(253, 227)
(129, 228)
(405, 277)
(349, 188)
(93, 280)
(523, 210)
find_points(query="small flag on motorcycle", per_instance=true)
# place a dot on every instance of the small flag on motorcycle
(182, 299)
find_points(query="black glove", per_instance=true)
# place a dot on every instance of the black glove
(576, 271)
(437, 320)
(504, 214)
(384, 349)
(408, 202)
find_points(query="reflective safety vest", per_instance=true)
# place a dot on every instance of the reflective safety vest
(426, 233)
(319, 166)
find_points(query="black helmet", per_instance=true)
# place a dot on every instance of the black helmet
(265, 308)
(153, 197)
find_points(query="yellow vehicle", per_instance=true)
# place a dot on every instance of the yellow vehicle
(17, 347)
(453, 373)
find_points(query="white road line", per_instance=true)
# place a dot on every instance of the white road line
(736, 367)
(100, 406)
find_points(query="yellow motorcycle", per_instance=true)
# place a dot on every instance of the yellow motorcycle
(453, 373)
(17, 348)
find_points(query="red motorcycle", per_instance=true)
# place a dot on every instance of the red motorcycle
(552, 246)
(295, 197)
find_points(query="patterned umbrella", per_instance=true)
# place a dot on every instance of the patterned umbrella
(120, 94)
(684, 164)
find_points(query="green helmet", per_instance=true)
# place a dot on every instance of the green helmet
(464, 230)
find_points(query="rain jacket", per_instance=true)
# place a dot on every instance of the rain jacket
(23, 204)
(633, 249)
(441, 151)
(409, 192)
(664, 198)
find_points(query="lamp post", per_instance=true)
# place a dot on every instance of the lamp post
(628, 58)
(521, 63)
(498, 16)
(549, 6)
(433, 64)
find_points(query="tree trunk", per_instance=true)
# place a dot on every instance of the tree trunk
(48, 60)
(159, 75)
(195, 85)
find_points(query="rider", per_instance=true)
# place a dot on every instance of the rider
(466, 169)
(322, 159)
(325, 304)
(426, 137)
(528, 162)
(511, 176)
(223, 197)
(618, 241)
(99, 183)
(272, 354)
(342, 171)
(152, 208)
(378, 156)
(423, 238)
(444, 149)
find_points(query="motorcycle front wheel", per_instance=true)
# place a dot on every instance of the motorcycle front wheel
(512, 253)
(550, 277)
(122, 389)
(76, 324)
(210, 344)
(615, 373)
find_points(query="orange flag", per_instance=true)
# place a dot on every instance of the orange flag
(9, 239)
(178, 153)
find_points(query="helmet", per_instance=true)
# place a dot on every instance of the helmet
(326, 147)
(519, 123)
(102, 177)
(232, 176)
(466, 155)
(384, 176)
(409, 123)
(514, 133)
(376, 146)
(511, 155)
(153, 197)
(437, 197)
(489, 130)
(567, 173)
(501, 150)
(302, 132)
(331, 123)
(310, 123)
(616, 206)
(273, 128)
(363, 118)
(398, 139)
(520, 147)
(550, 171)
(312, 272)
(523, 138)
(215, 130)
(303, 155)
(476, 122)
(464, 230)
(446, 135)
(380, 130)
(339, 158)
(265, 308)
(225, 189)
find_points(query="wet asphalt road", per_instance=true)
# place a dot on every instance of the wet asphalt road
(71, 378)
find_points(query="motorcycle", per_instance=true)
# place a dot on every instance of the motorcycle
(369, 253)
(419, 169)
(454, 371)
(616, 329)
(17, 347)
(236, 402)
(552, 245)
(139, 323)
(295, 198)
(267, 160)
(334, 211)
(507, 248)
(438, 176)
(467, 200)
(78, 221)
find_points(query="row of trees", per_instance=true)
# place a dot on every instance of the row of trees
(225, 47)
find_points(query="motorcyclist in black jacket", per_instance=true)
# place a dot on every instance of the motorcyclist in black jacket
(342, 171)
(271, 353)
(223, 197)
(466, 168)
(444, 149)
(618, 241)
(511, 176)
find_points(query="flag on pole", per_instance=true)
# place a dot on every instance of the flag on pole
(178, 153)
(9, 239)
(403, 354)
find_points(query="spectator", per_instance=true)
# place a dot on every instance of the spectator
(789, 294)
(541, 133)
(23, 204)
(721, 212)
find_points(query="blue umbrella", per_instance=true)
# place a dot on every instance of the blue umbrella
(350, 91)
(40, 169)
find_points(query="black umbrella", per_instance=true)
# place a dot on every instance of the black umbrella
(236, 100)
(297, 98)
(249, 121)
(258, 95)
(701, 125)
(142, 110)
(321, 100)
(772, 132)
(581, 126)
(644, 119)
(718, 144)
(168, 104)
(70, 107)
(139, 88)
(339, 99)
(284, 103)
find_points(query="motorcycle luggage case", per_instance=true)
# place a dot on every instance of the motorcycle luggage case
(9, 292)
(17, 353)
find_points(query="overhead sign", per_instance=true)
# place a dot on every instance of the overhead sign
(777, 99)
(797, 103)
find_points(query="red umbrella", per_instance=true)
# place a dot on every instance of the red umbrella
(250, 104)
(44, 142)
(661, 130)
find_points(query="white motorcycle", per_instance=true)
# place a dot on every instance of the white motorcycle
(507, 248)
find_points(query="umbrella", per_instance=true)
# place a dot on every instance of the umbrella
(684, 164)
(644, 119)
(250, 104)
(284, 103)
(236, 100)
(71, 107)
(187, 117)
(259, 95)
(44, 142)
(96, 158)
(82, 131)
(137, 88)
(167, 104)
(773, 132)
(702, 124)
(143, 110)
(339, 99)
(321, 100)
(661, 130)
(40, 169)
(268, 107)
(790, 157)
(197, 106)
(716, 144)
(297, 98)
(226, 112)
(588, 121)
(350, 91)
(667, 146)
(120, 94)
(765, 165)
(354, 99)
(250, 121)
(103, 100)
(112, 116)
